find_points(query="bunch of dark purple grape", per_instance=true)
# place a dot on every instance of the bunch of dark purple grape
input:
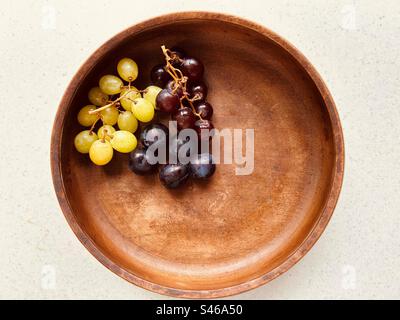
(183, 97)
(184, 94)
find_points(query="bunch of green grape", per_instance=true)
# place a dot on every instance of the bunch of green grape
(129, 106)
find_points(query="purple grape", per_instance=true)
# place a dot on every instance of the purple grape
(174, 175)
(193, 69)
(154, 133)
(174, 148)
(202, 167)
(139, 163)
(159, 76)
(167, 101)
(201, 126)
(204, 109)
(171, 87)
(200, 90)
(185, 118)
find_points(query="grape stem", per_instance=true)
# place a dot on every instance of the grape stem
(114, 102)
(106, 134)
(180, 81)
(94, 124)
(194, 110)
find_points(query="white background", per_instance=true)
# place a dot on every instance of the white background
(355, 45)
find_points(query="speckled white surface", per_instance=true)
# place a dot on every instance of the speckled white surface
(355, 45)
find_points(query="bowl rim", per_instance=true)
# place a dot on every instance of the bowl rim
(297, 254)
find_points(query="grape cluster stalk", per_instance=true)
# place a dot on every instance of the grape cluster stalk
(180, 81)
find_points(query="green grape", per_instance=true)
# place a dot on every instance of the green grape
(84, 140)
(127, 100)
(143, 110)
(110, 84)
(97, 97)
(110, 115)
(123, 141)
(150, 94)
(110, 131)
(127, 69)
(101, 152)
(127, 121)
(85, 118)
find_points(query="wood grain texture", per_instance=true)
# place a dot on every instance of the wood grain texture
(236, 232)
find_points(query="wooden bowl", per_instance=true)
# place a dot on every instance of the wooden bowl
(234, 233)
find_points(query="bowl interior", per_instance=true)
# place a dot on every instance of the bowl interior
(233, 229)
